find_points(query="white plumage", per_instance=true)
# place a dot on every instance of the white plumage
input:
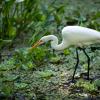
(77, 35)
(73, 36)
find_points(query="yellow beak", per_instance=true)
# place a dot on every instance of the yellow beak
(37, 44)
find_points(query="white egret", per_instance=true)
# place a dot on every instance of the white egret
(73, 36)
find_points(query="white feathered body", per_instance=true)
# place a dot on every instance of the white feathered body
(80, 36)
(73, 36)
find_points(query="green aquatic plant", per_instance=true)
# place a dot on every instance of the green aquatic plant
(30, 59)
(87, 86)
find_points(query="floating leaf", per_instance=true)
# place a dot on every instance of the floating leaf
(66, 52)
(20, 85)
(55, 59)
(97, 82)
(10, 77)
(46, 74)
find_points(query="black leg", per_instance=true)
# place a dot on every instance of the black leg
(53, 51)
(76, 64)
(88, 62)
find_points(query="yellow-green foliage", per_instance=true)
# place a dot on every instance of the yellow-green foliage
(86, 85)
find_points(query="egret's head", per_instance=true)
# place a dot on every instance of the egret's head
(44, 39)
(41, 41)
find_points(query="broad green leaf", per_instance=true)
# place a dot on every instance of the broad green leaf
(46, 74)
(10, 77)
(20, 85)
(66, 52)
(97, 82)
(55, 59)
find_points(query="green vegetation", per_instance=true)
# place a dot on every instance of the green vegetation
(43, 74)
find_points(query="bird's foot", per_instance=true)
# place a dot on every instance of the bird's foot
(85, 77)
(73, 81)
(69, 82)
(90, 79)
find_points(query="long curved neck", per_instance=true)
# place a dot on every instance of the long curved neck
(56, 46)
